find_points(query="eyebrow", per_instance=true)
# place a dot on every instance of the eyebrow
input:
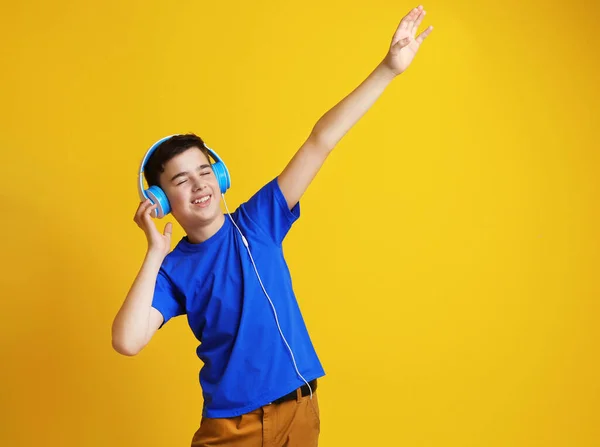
(184, 173)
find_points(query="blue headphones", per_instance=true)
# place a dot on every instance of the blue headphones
(158, 196)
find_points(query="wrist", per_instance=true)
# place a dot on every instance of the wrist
(154, 256)
(384, 70)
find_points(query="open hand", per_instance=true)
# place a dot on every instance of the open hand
(404, 45)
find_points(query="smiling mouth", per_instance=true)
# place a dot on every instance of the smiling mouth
(203, 201)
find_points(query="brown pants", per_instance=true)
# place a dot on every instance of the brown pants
(295, 423)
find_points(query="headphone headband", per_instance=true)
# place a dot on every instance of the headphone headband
(149, 152)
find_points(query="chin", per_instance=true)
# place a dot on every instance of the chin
(204, 215)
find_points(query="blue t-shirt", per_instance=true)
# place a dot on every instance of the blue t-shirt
(246, 363)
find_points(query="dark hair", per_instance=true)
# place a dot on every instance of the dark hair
(155, 165)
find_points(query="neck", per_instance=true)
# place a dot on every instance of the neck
(205, 231)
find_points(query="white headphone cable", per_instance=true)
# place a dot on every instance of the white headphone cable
(268, 297)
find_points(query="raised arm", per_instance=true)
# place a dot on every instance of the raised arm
(332, 126)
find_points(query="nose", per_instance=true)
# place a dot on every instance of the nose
(198, 184)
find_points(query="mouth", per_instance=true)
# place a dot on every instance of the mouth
(202, 202)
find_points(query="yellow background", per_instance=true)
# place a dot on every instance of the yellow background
(447, 257)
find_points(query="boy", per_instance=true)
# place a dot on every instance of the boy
(229, 276)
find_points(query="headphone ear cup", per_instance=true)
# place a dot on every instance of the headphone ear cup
(159, 197)
(222, 176)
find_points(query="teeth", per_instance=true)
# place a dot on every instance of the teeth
(202, 200)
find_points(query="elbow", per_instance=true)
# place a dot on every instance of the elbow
(126, 347)
(125, 350)
(322, 140)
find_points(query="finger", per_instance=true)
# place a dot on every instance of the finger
(418, 21)
(407, 19)
(138, 213)
(424, 34)
(142, 207)
(150, 210)
(146, 217)
(168, 229)
(402, 43)
(413, 16)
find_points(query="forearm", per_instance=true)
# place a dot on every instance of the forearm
(130, 326)
(332, 126)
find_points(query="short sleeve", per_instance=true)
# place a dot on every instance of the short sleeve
(167, 300)
(268, 209)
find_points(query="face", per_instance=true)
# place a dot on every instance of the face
(192, 189)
